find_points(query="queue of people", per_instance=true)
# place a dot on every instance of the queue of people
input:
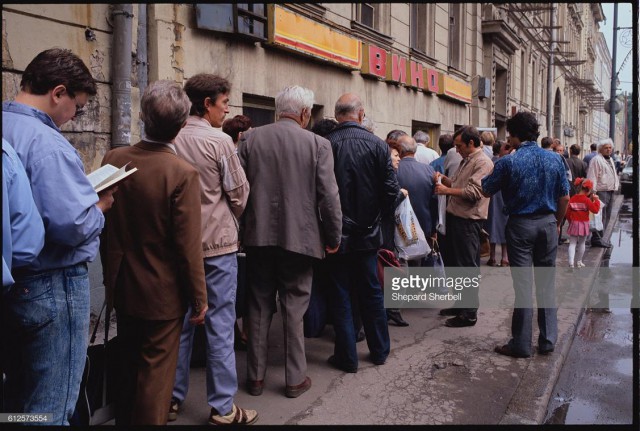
(169, 235)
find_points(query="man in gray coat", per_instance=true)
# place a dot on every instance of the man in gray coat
(293, 216)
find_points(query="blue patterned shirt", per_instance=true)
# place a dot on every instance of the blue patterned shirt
(531, 180)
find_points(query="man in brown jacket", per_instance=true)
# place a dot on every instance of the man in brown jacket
(152, 257)
(293, 216)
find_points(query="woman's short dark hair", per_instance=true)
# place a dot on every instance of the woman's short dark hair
(468, 134)
(233, 126)
(204, 85)
(57, 66)
(324, 126)
(524, 126)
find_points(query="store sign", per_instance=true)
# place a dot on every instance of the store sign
(295, 32)
(394, 68)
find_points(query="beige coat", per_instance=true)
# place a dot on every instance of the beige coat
(294, 202)
(224, 188)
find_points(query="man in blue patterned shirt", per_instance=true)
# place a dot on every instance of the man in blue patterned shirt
(536, 193)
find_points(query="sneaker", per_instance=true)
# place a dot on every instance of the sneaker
(174, 407)
(580, 264)
(237, 416)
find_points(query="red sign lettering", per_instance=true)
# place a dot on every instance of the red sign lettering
(432, 81)
(398, 70)
(416, 76)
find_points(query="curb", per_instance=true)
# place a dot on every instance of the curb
(530, 400)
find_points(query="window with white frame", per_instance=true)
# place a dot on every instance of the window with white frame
(422, 28)
(456, 35)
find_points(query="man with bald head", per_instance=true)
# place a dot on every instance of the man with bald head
(368, 189)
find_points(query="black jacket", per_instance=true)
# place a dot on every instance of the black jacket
(367, 184)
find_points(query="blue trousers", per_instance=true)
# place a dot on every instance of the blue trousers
(222, 382)
(357, 272)
(46, 324)
(533, 240)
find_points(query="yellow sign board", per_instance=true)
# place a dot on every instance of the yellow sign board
(451, 87)
(298, 33)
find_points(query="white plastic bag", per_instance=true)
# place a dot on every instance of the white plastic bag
(595, 220)
(409, 237)
(441, 227)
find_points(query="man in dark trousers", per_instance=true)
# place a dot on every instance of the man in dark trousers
(368, 190)
(535, 190)
(467, 210)
(292, 218)
(578, 166)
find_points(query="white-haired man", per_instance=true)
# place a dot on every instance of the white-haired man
(424, 154)
(602, 171)
(292, 217)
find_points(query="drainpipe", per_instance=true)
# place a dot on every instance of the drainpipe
(552, 47)
(121, 90)
(614, 77)
(141, 56)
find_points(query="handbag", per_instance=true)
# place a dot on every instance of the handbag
(96, 402)
(409, 237)
(434, 262)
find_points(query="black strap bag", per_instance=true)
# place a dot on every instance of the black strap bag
(96, 402)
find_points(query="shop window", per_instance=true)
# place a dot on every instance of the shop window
(422, 27)
(244, 19)
(432, 129)
(261, 110)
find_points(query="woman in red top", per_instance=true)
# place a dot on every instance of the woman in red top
(578, 215)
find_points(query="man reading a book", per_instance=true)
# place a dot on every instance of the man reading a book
(46, 312)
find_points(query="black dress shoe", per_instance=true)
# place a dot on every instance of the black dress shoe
(396, 317)
(459, 322)
(449, 312)
(506, 350)
(602, 244)
(545, 351)
(333, 361)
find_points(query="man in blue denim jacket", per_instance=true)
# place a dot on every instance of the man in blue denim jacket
(46, 312)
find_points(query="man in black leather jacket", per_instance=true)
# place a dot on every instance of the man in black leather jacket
(368, 189)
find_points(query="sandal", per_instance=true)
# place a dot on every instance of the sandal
(237, 416)
(491, 262)
(504, 262)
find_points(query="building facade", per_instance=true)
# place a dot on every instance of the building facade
(417, 66)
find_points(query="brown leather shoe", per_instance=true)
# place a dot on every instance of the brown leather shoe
(297, 390)
(255, 387)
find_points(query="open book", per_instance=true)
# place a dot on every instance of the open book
(107, 176)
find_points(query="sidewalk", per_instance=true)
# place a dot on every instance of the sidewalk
(434, 375)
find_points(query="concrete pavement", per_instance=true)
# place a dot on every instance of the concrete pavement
(434, 374)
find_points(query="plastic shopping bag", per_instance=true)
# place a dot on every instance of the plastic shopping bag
(409, 237)
(595, 220)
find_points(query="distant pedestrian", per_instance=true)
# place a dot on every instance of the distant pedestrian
(236, 126)
(536, 193)
(292, 218)
(592, 154)
(602, 172)
(580, 205)
(578, 166)
(445, 142)
(497, 218)
(424, 154)
(488, 139)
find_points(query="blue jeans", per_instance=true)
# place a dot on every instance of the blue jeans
(533, 240)
(357, 272)
(46, 323)
(222, 382)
